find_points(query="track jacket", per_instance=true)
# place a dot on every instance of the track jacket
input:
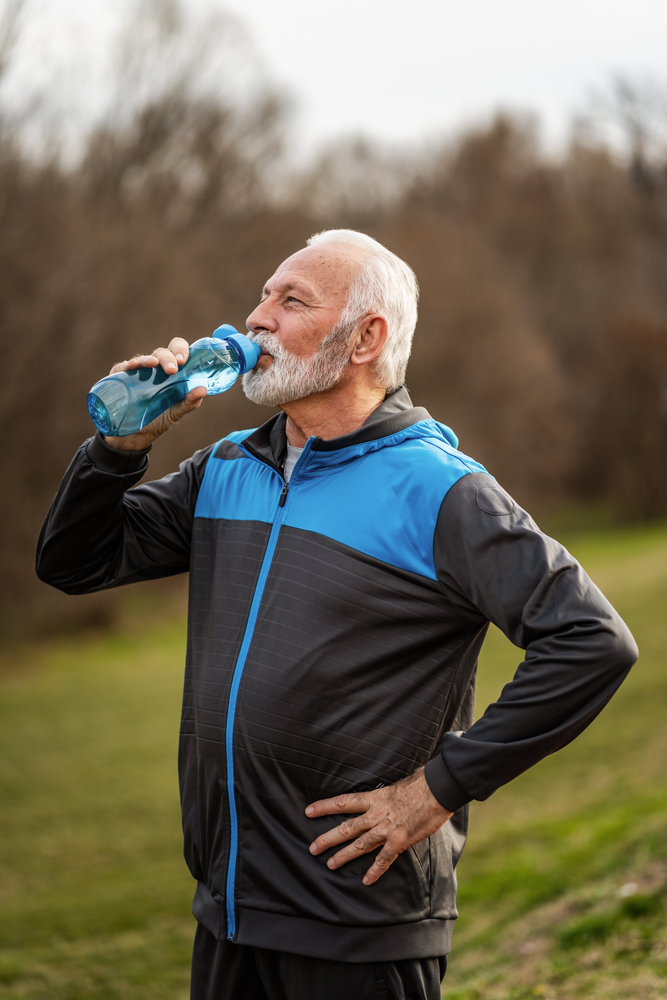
(334, 631)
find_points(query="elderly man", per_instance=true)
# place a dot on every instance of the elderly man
(345, 562)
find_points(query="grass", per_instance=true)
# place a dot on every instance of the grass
(95, 897)
(562, 885)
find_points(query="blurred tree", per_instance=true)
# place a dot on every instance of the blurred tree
(353, 178)
(543, 321)
(631, 427)
(10, 20)
(631, 115)
(155, 229)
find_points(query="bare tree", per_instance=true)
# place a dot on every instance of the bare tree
(10, 21)
(630, 115)
(190, 130)
(354, 178)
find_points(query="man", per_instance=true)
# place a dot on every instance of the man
(345, 562)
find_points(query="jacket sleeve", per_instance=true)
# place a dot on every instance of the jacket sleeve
(492, 558)
(97, 535)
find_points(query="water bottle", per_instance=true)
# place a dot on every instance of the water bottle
(123, 403)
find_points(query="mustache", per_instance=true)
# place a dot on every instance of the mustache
(269, 344)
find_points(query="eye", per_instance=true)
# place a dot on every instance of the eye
(292, 298)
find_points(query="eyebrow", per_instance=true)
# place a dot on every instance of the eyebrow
(291, 286)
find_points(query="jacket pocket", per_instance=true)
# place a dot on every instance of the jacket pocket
(422, 853)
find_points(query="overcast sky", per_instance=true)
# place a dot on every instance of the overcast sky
(402, 70)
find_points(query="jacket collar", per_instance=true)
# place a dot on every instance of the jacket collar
(269, 442)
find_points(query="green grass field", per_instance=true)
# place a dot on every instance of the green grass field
(563, 883)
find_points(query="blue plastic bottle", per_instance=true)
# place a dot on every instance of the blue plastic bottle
(123, 403)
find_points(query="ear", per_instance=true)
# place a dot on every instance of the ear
(369, 339)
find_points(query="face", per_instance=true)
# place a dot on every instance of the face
(304, 350)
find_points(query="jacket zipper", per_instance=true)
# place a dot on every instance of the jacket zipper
(234, 690)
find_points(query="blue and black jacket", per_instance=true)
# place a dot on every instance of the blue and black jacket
(334, 631)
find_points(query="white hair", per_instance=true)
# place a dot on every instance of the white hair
(385, 284)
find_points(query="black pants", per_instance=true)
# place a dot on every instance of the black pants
(225, 971)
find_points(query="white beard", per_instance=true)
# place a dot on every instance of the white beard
(290, 377)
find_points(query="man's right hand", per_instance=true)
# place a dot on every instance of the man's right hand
(170, 358)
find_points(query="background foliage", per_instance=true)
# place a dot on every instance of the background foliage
(542, 336)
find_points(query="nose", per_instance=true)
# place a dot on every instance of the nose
(262, 318)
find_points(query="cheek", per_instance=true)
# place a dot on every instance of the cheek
(297, 339)
(303, 335)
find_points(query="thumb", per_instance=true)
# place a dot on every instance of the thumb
(192, 401)
(162, 424)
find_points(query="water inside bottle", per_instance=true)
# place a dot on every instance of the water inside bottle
(211, 364)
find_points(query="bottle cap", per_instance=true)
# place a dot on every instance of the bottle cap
(247, 351)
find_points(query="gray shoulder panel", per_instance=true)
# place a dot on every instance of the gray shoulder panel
(490, 552)
(493, 500)
(491, 557)
(228, 451)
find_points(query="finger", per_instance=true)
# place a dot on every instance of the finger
(352, 803)
(180, 349)
(138, 361)
(168, 360)
(195, 397)
(348, 829)
(386, 857)
(369, 841)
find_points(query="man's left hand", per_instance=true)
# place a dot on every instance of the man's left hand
(395, 818)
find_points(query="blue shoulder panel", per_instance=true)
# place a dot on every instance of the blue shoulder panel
(240, 490)
(237, 436)
(386, 505)
(381, 497)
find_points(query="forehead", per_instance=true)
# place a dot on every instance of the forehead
(324, 271)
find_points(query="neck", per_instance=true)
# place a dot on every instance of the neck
(331, 414)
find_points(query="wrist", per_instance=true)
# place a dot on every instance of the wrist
(436, 807)
(133, 442)
(115, 460)
(443, 786)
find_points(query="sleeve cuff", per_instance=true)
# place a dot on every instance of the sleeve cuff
(120, 463)
(445, 789)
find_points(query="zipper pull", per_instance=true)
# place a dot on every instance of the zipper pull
(283, 495)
